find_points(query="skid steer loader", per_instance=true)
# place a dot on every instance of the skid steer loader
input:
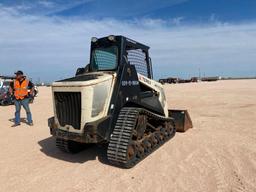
(114, 100)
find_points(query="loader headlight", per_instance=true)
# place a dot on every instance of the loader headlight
(94, 39)
(100, 95)
(111, 38)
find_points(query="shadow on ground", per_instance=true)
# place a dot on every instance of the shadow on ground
(22, 120)
(91, 152)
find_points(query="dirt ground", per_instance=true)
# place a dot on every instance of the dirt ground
(218, 154)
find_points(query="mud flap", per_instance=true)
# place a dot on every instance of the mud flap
(182, 119)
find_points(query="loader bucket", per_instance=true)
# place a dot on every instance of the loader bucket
(181, 119)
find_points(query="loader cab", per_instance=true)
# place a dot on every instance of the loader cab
(112, 53)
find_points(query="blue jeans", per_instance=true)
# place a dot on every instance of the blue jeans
(25, 104)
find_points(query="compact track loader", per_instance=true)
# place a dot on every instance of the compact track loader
(115, 100)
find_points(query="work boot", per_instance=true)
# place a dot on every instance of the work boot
(16, 125)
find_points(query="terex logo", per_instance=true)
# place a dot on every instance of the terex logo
(141, 78)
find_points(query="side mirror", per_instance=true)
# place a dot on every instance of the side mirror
(83, 70)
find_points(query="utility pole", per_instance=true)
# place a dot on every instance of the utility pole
(199, 73)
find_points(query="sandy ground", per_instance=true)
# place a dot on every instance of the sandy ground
(218, 154)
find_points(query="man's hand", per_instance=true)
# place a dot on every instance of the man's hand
(32, 92)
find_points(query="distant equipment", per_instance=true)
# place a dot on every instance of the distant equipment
(170, 80)
(210, 79)
(5, 97)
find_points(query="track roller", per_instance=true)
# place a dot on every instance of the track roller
(137, 133)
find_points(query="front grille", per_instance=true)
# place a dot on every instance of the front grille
(68, 108)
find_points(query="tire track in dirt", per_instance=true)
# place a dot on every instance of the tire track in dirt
(237, 183)
(226, 174)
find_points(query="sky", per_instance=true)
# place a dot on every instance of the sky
(50, 39)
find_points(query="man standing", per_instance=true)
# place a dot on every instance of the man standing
(20, 89)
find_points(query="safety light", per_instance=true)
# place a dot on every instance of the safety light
(111, 38)
(94, 39)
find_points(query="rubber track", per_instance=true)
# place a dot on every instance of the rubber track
(69, 146)
(121, 136)
(63, 145)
